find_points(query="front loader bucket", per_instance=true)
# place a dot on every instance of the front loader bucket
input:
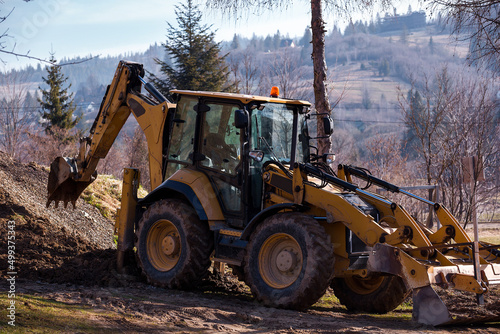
(62, 185)
(446, 304)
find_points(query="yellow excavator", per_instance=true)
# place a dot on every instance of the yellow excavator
(235, 180)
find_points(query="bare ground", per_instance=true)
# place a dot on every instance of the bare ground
(67, 256)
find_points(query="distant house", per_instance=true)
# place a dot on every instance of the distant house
(399, 22)
(287, 42)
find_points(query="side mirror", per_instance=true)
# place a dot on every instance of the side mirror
(256, 155)
(328, 125)
(241, 118)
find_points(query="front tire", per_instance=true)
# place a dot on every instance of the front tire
(375, 294)
(289, 261)
(173, 245)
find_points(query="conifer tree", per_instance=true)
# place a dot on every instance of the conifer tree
(235, 44)
(431, 46)
(57, 103)
(196, 60)
(307, 38)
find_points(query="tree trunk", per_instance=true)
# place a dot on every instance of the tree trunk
(321, 103)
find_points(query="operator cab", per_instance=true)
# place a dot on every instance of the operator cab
(230, 137)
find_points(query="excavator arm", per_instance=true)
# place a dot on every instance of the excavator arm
(70, 176)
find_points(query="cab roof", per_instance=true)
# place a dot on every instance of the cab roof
(240, 97)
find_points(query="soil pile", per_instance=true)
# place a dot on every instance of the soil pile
(50, 243)
(62, 245)
(464, 307)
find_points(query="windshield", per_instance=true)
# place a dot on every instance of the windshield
(272, 131)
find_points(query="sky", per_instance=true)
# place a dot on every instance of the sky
(110, 27)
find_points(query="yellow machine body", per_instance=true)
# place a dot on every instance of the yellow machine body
(274, 222)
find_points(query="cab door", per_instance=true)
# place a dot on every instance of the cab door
(221, 157)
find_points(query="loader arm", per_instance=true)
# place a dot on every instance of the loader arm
(70, 176)
(397, 244)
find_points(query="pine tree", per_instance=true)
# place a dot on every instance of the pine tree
(196, 60)
(431, 46)
(306, 38)
(277, 40)
(235, 44)
(56, 103)
(384, 68)
(415, 118)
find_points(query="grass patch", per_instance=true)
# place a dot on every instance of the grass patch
(37, 315)
(329, 300)
(105, 194)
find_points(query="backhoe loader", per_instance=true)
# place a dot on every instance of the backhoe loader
(235, 180)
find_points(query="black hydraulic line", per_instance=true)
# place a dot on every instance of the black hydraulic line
(315, 171)
(364, 175)
(384, 184)
(310, 169)
(153, 91)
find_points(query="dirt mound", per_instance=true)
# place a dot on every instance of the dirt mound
(464, 308)
(47, 238)
(63, 245)
(23, 191)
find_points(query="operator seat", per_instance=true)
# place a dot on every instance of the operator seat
(217, 149)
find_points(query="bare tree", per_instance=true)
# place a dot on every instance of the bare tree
(477, 21)
(425, 115)
(344, 144)
(385, 158)
(456, 117)
(15, 116)
(286, 73)
(116, 158)
(322, 103)
(248, 73)
(137, 153)
(43, 149)
(476, 114)
(234, 73)
(425, 112)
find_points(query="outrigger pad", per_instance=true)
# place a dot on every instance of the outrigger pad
(428, 308)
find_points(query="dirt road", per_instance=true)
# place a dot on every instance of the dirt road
(140, 308)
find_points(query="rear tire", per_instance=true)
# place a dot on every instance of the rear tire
(289, 261)
(376, 294)
(173, 245)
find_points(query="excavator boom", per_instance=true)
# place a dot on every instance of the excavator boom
(70, 176)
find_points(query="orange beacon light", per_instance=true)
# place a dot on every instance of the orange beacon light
(275, 91)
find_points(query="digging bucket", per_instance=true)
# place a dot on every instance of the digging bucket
(63, 184)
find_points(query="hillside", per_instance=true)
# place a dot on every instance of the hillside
(365, 69)
(50, 243)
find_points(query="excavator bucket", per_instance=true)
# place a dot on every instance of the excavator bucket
(63, 185)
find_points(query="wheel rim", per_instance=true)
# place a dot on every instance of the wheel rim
(163, 245)
(364, 286)
(280, 260)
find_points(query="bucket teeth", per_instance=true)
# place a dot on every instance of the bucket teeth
(62, 185)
